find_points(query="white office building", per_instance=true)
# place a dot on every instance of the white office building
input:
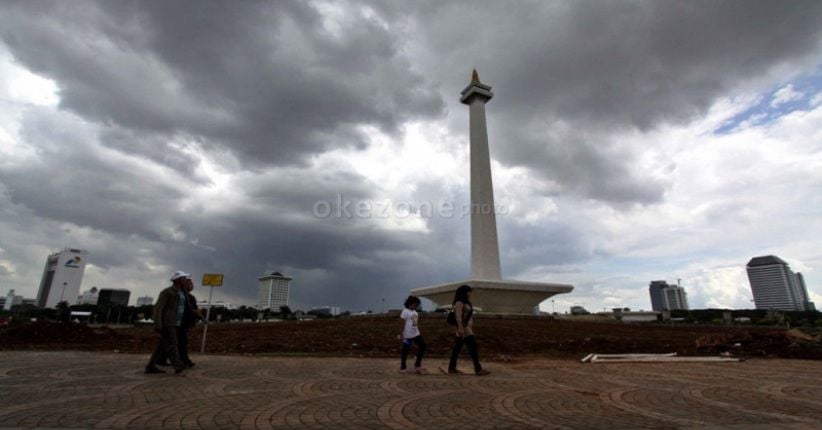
(274, 291)
(775, 286)
(62, 277)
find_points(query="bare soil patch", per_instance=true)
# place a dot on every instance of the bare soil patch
(375, 336)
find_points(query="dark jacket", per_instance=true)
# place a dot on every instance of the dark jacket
(165, 311)
(190, 317)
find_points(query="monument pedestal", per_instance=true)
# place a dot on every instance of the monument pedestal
(496, 297)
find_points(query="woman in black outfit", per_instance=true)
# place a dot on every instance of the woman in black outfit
(464, 312)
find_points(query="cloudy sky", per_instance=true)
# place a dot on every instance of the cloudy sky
(631, 141)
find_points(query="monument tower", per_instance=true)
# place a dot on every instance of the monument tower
(491, 293)
(484, 245)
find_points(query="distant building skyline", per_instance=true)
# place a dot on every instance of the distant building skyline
(666, 296)
(326, 310)
(775, 286)
(203, 304)
(275, 290)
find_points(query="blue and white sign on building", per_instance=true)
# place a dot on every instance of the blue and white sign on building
(62, 278)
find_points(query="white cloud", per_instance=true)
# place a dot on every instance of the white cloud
(19, 85)
(753, 191)
(784, 95)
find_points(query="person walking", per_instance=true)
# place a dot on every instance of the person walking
(168, 316)
(464, 313)
(411, 335)
(191, 315)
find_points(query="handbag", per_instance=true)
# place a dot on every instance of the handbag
(451, 318)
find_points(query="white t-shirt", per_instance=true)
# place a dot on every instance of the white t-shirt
(410, 331)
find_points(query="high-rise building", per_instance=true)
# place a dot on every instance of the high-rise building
(145, 301)
(62, 277)
(667, 297)
(89, 297)
(274, 291)
(802, 291)
(12, 300)
(676, 297)
(657, 292)
(775, 286)
(113, 297)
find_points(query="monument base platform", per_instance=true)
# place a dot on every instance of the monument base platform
(497, 297)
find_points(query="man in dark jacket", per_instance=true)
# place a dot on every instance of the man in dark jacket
(168, 316)
(190, 317)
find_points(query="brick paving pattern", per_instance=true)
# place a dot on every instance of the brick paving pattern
(99, 390)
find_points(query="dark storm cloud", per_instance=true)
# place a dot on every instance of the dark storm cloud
(266, 80)
(597, 69)
(273, 85)
(360, 263)
(72, 180)
(154, 147)
(523, 246)
(141, 217)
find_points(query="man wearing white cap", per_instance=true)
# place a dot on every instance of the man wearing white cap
(168, 317)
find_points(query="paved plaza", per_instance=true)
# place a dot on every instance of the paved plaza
(108, 390)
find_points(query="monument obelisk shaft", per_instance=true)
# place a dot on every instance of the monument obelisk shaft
(484, 245)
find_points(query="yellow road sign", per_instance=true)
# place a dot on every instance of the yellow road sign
(213, 279)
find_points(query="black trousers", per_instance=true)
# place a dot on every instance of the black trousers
(167, 347)
(406, 347)
(471, 343)
(182, 348)
(182, 344)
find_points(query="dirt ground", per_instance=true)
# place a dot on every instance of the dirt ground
(500, 339)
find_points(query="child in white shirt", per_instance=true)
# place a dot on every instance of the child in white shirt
(411, 334)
